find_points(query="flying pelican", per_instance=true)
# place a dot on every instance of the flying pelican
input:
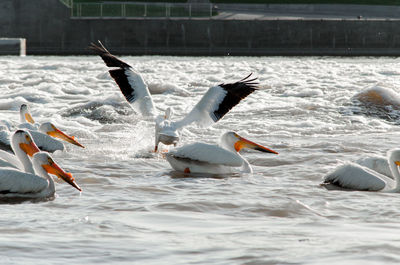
(352, 176)
(44, 134)
(17, 184)
(214, 104)
(214, 159)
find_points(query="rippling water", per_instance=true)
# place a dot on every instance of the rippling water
(134, 209)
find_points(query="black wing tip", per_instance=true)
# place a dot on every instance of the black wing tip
(122, 81)
(251, 84)
(246, 79)
(235, 93)
(109, 59)
(98, 48)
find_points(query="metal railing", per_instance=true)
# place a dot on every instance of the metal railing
(67, 3)
(123, 10)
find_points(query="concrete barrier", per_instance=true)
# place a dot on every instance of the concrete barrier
(49, 30)
(319, 9)
(13, 46)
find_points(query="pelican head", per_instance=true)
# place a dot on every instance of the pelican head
(50, 129)
(233, 141)
(43, 163)
(22, 140)
(394, 156)
(24, 114)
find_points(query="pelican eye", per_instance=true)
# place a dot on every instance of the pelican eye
(28, 138)
(52, 126)
(50, 160)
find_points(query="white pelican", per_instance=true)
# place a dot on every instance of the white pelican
(214, 159)
(21, 185)
(25, 114)
(356, 177)
(43, 134)
(23, 147)
(215, 103)
(25, 118)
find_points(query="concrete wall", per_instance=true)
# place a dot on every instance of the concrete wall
(48, 29)
(326, 9)
(13, 46)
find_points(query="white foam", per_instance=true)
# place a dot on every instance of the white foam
(304, 110)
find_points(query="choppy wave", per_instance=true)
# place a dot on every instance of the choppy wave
(308, 109)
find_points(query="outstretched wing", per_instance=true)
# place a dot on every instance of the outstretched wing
(218, 101)
(109, 59)
(130, 82)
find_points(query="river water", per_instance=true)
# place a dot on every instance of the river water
(135, 210)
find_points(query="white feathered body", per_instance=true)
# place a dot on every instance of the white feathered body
(43, 141)
(204, 158)
(5, 140)
(377, 164)
(165, 132)
(46, 142)
(17, 184)
(356, 177)
(9, 160)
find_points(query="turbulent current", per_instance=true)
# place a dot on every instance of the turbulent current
(134, 209)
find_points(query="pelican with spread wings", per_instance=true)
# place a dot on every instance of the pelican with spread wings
(214, 104)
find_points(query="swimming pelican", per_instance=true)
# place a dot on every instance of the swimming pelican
(23, 147)
(214, 159)
(25, 114)
(17, 184)
(44, 134)
(215, 103)
(356, 177)
(6, 127)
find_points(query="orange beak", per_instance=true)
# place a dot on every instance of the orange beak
(57, 171)
(30, 149)
(59, 134)
(244, 143)
(29, 118)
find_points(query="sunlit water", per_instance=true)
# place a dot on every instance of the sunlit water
(135, 209)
